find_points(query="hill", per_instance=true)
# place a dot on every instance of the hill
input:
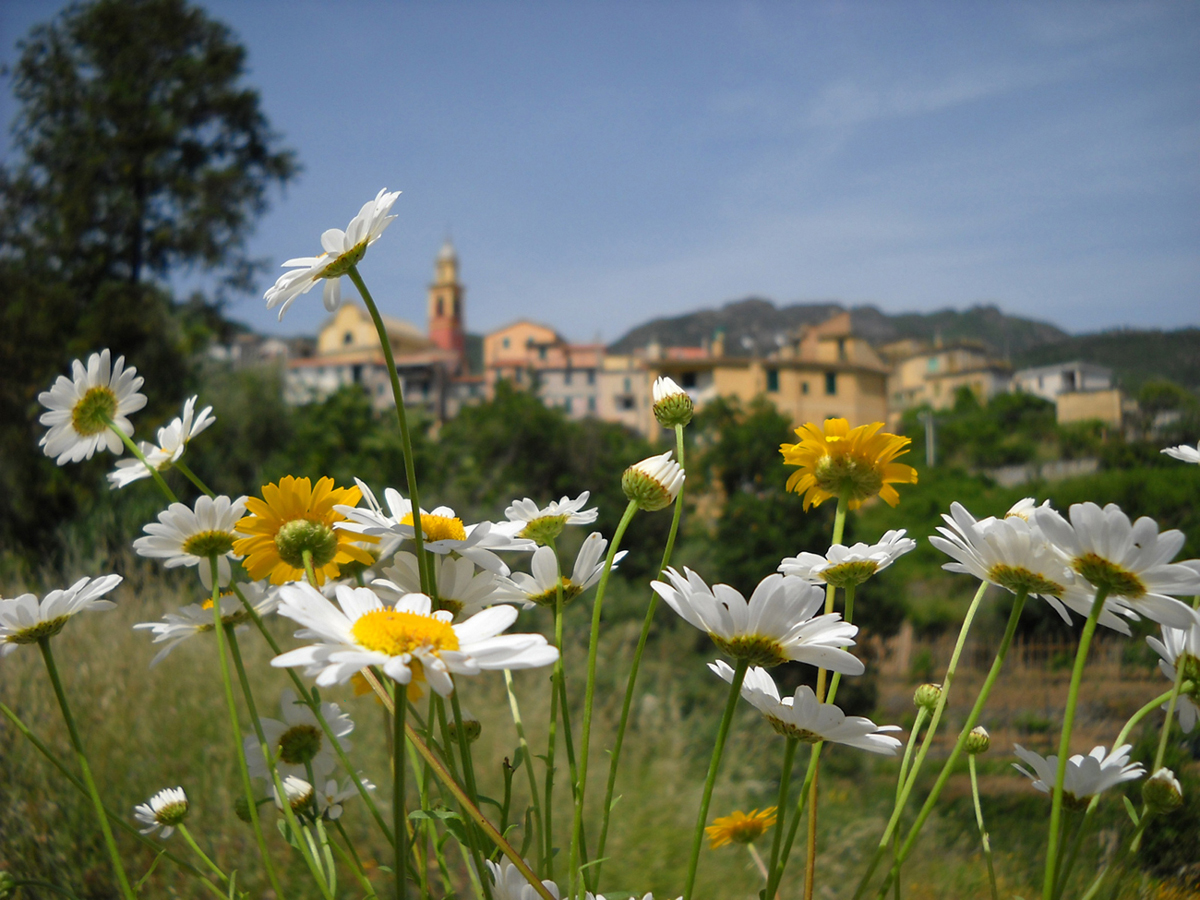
(755, 326)
(1134, 356)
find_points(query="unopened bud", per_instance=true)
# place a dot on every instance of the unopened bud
(927, 696)
(978, 740)
(8, 884)
(471, 726)
(672, 405)
(299, 793)
(1162, 792)
(653, 483)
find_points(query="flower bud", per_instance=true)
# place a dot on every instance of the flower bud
(471, 726)
(927, 696)
(1162, 792)
(653, 483)
(672, 405)
(299, 793)
(978, 740)
(8, 885)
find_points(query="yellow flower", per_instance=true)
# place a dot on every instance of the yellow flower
(294, 517)
(739, 827)
(838, 458)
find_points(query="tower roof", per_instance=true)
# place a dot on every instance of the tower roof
(447, 251)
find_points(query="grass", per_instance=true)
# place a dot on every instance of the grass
(147, 729)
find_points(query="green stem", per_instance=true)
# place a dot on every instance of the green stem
(410, 469)
(922, 712)
(1118, 862)
(315, 707)
(526, 758)
(313, 863)
(739, 675)
(556, 684)
(627, 704)
(191, 476)
(399, 821)
(113, 853)
(1064, 742)
(785, 783)
(926, 743)
(353, 861)
(136, 451)
(589, 694)
(191, 842)
(983, 835)
(116, 819)
(972, 721)
(476, 854)
(801, 803)
(468, 763)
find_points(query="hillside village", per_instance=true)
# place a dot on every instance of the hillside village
(826, 361)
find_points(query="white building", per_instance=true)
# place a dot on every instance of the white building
(1048, 382)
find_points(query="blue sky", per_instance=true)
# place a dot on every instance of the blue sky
(601, 164)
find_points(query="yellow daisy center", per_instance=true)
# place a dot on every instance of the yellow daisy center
(298, 535)
(394, 633)
(1118, 581)
(94, 411)
(438, 528)
(208, 543)
(570, 591)
(1018, 578)
(756, 649)
(299, 744)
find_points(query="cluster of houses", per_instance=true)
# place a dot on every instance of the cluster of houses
(819, 371)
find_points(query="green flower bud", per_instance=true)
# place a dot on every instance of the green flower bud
(672, 405)
(653, 483)
(1162, 792)
(471, 726)
(978, 740)
(927, 696)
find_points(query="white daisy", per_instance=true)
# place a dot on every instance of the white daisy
(299, 793)
(189, 537)
(1014, 553)
(778, 623)
(1023, 508)
(460, 588)
(653, 483)
(298, 740)
(1085, 776)
(24, 620)
(1180, 647)
(409, 641)
(541, 588)
(509, 884)
(802, 716)
(82, 406)
(165, 810)
(343, 249)
(1130, 560)
(542, 524)
(843, 565)
(172, 441)
(441, 530)
(1184, 452)
(330, 800)
(197, 618)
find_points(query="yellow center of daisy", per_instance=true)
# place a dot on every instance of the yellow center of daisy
(299, 744)
(787, 729)
(756, 649)
(570, 590)
(208, 543)
(544, 529)
(849, 573)
(859, 478)
(391, 632)
(298, 535)
(1118, 581)
(439, 528)
(1018, 578)
(94, 411)
(35, 633)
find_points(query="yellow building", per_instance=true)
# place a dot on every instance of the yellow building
(931, 376)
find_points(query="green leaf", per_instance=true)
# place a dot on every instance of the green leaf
(1129, 809)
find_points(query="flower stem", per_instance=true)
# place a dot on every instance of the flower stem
(136, 451)
(556, 678)
(113, 853)
(615, 758)
(739, 675)
(785, 783)
(191, 842)
(526, 758)
(191, 476)
(399, 821)
(801, 802)
(983, 835)
(117, 820)
(1064, 742)
(906, 783)
(972, 721)
(352, 859)
(810, 868)
(589, 694)
(410, 469)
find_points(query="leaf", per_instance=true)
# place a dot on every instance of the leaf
(1129, 809)
(142, 881)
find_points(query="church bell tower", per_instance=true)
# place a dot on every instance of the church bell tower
(446, 304)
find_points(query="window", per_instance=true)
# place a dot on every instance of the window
(628, 388)
(841, 348)
(520, 377)
(567, 376)
(457, 307)
(773, 380)
(348, 337)
(505, 342)
(591, 404)
(567, 406)
(441, 308)
(541, 352)
(830, 383)
(626, 403)
(356, 374)
(932, 364)
(804, 387)
(591, 376)
(687, 379)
